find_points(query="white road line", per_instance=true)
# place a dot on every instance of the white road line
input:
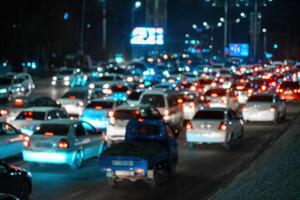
(76, 194)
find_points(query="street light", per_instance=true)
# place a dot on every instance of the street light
(264, 30)
(137, 4)
(135, 7)
(194, 26)
(243, 15)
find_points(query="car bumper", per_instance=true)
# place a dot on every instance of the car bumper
(263, 116)
(115, 134)
(48, 157)
(209, 137)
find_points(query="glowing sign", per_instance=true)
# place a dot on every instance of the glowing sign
(239, 50)
(147, 36)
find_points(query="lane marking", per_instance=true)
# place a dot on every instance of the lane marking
(76, 194)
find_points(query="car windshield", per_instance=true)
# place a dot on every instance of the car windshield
(125, 114)
(66, 72)
(153, 100)
(261, 98)
(53, 129)
(28, 115)
(209, 115)
(74, 95)
(106, 78)
(5, 81)
(148, 130)
(100, 105)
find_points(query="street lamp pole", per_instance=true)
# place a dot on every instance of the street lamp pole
(225, 24)
(104, 25)
(82, 27)
(265, 43)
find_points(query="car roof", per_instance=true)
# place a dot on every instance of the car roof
(39, 109)
(61, 121)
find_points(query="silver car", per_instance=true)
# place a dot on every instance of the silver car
(215, 125)
(63, 142)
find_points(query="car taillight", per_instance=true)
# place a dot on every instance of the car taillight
(193, 88)
(192, 105)
(224, 99)
(263, 88)
(63, 144)
(104, 136)
(272, 109)
(213, 84)
(222, 126)
(166, 115)
(110, 113)
(3, 112)
(273, 83)
(128, 92)
(202, 98)
(26, 142)
(112, 120)
(80, 103)
(189, 125)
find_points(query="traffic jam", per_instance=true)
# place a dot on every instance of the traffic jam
(133, 118)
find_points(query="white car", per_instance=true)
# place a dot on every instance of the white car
(15, 85)
(223, 98)
(133, 98)
(30, 118)
(75, 100)
(11, 141)
(97, 112)
(215, 126)
(264, 108)
(63, 142)
(67, 76)
(104, 82)
(117, 123)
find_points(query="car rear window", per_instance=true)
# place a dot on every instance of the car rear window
(215, 93)
(209, 115)
(153, 100)
(125, 114)
(134, 96)
(74, 95)
(148, 130)
(100, 105)
(53, 129)
(28, 115)
(290, 85)
(119, 88)
(261, 99)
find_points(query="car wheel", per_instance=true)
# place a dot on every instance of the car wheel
(78, 161)
(229, 144)
(155, 181)
(25, 190)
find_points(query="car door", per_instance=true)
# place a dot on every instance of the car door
(82, 140)
(10, 141)
(95, 139)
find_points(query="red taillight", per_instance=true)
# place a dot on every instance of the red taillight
(63, 144)
(3, 112)
(128, 92)
(26, 142)
(104, 137)
(110, 113)
(264, 88)
(112, 120)
(189, 125)
(192, 105)
(222, 126)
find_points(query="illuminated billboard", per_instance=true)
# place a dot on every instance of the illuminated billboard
(239, 50)
(147, 36)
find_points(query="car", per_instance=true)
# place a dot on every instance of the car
(167, 104)
(75, 100)
(98, 111)
(264, 108)
(20, 103)
(149, 152)
(15, 85)
(11, 141)
(30, 118)
(289, 91)
(16, 181)
(215, 126)
(104, 81)
(117, 123)
(117, 92)
(69, 77)
(63, 142)
(133, 98)
(219, 97)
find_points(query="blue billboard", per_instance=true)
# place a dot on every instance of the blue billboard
(147, 36)
(239, 50)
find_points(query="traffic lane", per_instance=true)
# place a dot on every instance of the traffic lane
(200, 171)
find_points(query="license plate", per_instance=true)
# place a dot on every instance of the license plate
(122, 163)
(123, 173)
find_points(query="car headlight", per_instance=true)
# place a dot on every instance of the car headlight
(54, 78)
(66, 78)
(3, 90)
(92, 86)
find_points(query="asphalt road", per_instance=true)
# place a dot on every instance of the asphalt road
(200, 173)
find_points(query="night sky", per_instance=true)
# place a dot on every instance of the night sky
(30, 27)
